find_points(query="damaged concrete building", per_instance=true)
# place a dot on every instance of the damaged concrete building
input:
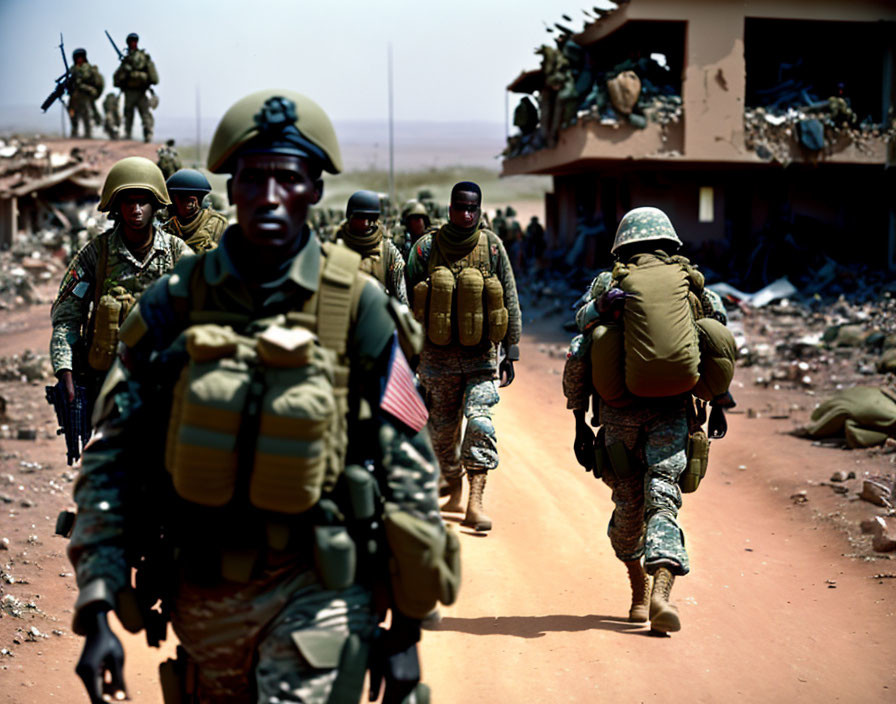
(764, 128)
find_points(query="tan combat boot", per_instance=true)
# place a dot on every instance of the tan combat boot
(640, 581)
(663, 615)
(476, 518)
(455, 492)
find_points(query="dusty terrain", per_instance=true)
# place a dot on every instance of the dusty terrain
(785, 602)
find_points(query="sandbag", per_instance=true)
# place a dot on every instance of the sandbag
(865, 415)
(662, 353)
(608, 362)
(470, 318)
(718, 351)
(441, 292)
(624, 91)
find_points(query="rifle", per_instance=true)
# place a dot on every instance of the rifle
(121, 58)
(63, 83)
(72, 417)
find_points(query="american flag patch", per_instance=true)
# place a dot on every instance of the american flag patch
(400, 397)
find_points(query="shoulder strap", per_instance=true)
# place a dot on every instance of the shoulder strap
(102, 268)
(338, 296)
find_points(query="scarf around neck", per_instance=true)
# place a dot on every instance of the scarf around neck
(361, 243)
(456, 242)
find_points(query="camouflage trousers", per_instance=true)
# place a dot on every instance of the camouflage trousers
(81, 110)
(644, 522)
(277, 638)
(450, 398)
(137, 99)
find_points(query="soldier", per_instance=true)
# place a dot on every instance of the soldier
(168, 159)
(86, 86)
(109, 273)
(363, 233)
(134, 76)
(644, 441)
(267, 505)
(463, 271)
(535, 242)
(200, 228)
(499, 225)
(415, 221)
(112, 115)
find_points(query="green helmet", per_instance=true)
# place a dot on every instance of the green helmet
(414, 207)
(279, 121)
(133, 173)
(188, 180)
(425, 194)
(642, 225)
(79, 52)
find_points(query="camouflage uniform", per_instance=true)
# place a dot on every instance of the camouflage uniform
(168, 159)
(383, 261)
(71, 309)
(112, 119)
(200, 234)
(135, 75)
(87, 86)
(460, 381)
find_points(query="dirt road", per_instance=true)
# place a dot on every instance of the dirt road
(771, 612)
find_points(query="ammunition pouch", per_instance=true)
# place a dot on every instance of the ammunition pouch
(470, 286)
(441, 293)
(498, 316)
(334, 557)
(111, 310)
(601, 456)
(424, 563)
(698, 458)
(263, 408)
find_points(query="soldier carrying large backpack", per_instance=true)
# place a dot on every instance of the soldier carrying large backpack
(653, 350)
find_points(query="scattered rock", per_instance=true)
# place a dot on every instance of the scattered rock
(878, 491)
(26, 434)
(840, 476)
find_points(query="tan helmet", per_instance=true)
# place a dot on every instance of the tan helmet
(642, 225)
(275, 120)
(134, 172)
(414, 207)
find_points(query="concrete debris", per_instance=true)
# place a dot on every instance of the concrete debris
(30, 366)
(883, 539)
(878, 491)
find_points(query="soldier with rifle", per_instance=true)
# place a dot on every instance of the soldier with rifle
(261, 455)
(101, 284)
(135, 75)
(86, 86)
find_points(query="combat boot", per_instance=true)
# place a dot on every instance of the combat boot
(455, 493)
(663, 615)
(476, 518)
(639, 612)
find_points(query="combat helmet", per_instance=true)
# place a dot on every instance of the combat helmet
(643, 225)
(132, 36)
(281, 121)
(133, 172)
(188, 180)
(366, 203)
(414, 207)
(79, 52)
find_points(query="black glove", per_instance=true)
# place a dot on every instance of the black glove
(394, 659)
(505, 366)
(102, 653)
(718, 424)
(583, 445)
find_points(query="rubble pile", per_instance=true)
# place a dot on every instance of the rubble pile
(26, 367)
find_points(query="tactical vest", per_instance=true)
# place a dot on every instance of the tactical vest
(260, 410)
(461, 301)
(377, 262)
(109, 311)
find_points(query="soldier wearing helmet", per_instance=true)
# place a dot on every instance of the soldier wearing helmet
(283, 448)
(135, 75)
(201, 228)
(415, 222)
(363, 232)
(641, 450)
(86, 86)
(110, 272)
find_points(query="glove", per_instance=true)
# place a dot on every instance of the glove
(102, 653)
(511, 354)
(718, 424)
(583, 445)
(394, 659)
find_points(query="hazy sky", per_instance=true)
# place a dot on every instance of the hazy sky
(451, 60)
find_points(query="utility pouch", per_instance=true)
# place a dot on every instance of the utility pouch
(334, 556)
(421, 294)
(105, 334)
(601, 456)
(361, 492)
(441, 293)
(470, 286)
(425, 563)
(498, 317)
(698, 458)
(619, 460)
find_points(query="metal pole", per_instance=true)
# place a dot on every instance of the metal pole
(391, 144)
(198, 129)
(506, 115)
